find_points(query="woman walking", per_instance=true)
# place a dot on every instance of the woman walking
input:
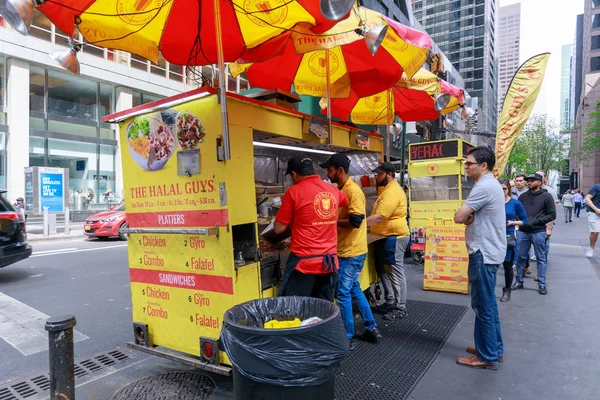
(515, 216)
(567, 202)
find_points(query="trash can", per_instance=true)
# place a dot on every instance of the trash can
(285, 364)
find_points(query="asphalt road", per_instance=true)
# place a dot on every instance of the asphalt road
(85, 278)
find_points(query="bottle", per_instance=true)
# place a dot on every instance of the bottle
(364, 181)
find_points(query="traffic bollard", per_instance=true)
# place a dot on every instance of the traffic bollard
(62, 362)
(46, 222)
(67, 221)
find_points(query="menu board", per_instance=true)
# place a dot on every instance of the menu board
(446, 258)
(181, 284)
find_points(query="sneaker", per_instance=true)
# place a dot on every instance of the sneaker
(352, 345)
(517, 286)
(395, 314)
(589, 253)
(528, 271)
(532, 258)
(542, 290)
(536, 278)
(383, 308)
(372, 336)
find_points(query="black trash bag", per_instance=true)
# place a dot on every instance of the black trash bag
(303, 356)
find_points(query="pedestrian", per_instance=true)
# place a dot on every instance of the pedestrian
(520, 185)
(484, 216)
(388, 219)
(541, 210)
(515, 216)
(567, 202)
(550, 226)
(513, 190)
(351, 250)
(577, 203)
(592, 199)
(310, 210)
(19, 204)
(90, 195)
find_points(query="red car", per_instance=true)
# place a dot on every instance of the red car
(107, 224)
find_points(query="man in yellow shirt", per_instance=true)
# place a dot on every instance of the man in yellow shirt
(388, 219)
(352, 249)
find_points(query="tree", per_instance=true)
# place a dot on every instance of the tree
(591, 139)
(540, 147)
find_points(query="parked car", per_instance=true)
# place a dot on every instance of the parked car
(13, 237)
(107, 224)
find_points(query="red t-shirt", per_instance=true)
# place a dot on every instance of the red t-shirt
(310, 208)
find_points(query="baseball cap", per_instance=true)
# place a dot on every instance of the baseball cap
(299, 165)
(385, 167)
(20, 199)
(337, 160)
(535, 176)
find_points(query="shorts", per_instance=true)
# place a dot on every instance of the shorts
(593, 221)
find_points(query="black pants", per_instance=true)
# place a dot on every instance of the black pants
(321, 286)
(577, 209)
(509, 274)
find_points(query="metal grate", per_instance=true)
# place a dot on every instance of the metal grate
(39, 383)
(184, 385)
(393, 367)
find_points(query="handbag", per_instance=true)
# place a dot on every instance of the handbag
(511, 241)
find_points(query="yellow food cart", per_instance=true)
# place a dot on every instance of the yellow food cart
(195, 217)
(438, 187)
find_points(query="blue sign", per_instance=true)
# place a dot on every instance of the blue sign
(51, 192)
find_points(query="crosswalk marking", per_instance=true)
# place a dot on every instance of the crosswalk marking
(22, 327)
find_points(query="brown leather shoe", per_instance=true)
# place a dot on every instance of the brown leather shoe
(474, 362)
(472, 350)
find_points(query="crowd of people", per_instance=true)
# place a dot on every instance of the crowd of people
(329, 229)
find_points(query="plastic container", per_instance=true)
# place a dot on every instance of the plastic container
(287, 364)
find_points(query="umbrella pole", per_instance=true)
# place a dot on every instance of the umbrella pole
(328, 94)
(388, 138)
(222, 77)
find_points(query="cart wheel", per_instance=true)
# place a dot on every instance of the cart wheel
(418, 258)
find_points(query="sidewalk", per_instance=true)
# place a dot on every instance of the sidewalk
(550, 341)
(35, 232)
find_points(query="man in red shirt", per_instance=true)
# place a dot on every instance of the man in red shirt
(310, 209)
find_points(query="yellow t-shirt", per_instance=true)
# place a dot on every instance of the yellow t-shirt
(391, 205)
(352, 242)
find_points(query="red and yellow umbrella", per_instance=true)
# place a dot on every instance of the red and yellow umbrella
(183, 30)
(410, 99)
(351, 67)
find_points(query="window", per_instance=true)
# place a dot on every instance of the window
(478, 63)
(41, 27)
(106, 106)
(71, 97)
(596, 42)
(595, 21)
(80, 158)
(106, 177)
(595, 64)
(160, 68)
(37, 82)
(595, 3)
(176, 72)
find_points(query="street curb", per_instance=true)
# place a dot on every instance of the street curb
(41, 238)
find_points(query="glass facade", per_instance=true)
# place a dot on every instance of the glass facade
(67, 129)
(465, 30)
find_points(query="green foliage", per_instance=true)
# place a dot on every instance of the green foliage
(539, 147)
(591, 137)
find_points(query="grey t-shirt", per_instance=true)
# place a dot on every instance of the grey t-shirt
(552, 192)
(487, 233)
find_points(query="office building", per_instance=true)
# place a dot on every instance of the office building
(466, 32)
(566, 73)
(509, 48)
(585, 166)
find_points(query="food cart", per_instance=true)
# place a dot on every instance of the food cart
(438, 187)
(195, 218)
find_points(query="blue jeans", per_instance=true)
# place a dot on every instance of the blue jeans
(488, 335)
(348, 289)
(540, 247)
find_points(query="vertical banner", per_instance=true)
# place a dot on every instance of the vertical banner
(518, 104)
(446, 258)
